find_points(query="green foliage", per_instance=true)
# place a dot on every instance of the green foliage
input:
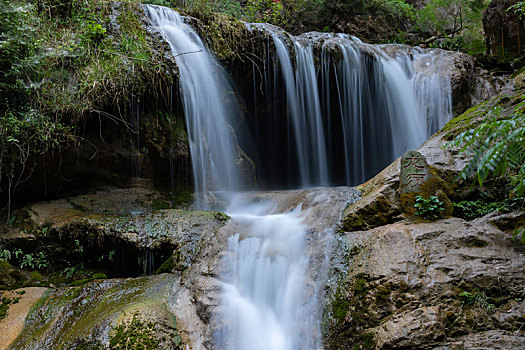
(93, 31)
(4, 307)
(17, 44)
(472, 209)
(428, 208)
(518, 8)
(456, 23)
(26, 261)
(79, 248)
(269, 11)
(5, 255)
(496, 148)
(70, 271)
(476, 298)
(34, 261)
(393, 9)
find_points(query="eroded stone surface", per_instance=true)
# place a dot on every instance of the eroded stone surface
(405, 281)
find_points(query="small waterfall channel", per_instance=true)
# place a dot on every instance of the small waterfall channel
(276, 259)
(277, 266)
(208, 105)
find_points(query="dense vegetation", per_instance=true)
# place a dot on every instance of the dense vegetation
(453, 24)
(63, 62)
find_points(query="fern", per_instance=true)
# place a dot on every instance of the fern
(495, 148)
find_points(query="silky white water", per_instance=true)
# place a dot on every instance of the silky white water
(209, 105)
(276, 263)
(388, 103)
(265, 290)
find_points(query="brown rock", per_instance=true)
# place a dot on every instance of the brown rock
(409, 278)
(504, 31)
(418, 179)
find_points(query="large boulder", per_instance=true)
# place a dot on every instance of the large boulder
(504, 30)
(428, 285)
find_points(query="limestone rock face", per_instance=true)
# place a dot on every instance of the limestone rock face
(407, 284)
(504, 31)
(420, 286)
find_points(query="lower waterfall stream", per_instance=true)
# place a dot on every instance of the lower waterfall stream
(277, 265)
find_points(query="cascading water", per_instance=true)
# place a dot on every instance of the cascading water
(274, 263)
(208, 105)
(369, 104)
(304, 108)
(263, 298)
(275, 267)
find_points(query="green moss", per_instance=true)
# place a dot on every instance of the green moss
(134, 334)
(161, 204)
(368, 340)
(4, 264)
(353, 222)
(4, 307)
(382, 293)
(80, 282)
(167, 266)
(355, 250)
(225, 34)
(36, 279)
(360, 287)
(340, 308)
(478, 113)
(221, 217)
(85, 344)
(99, 276)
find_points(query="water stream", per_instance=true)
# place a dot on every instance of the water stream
(208, 104)
(276, 255)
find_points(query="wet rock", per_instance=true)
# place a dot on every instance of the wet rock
(379, 204)
(101, 312)
(405, 285)
(21, 302)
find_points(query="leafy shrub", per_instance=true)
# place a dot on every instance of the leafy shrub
(428, 208)
(456, 21)
(476, 298)
(496, 148)
(518, 8)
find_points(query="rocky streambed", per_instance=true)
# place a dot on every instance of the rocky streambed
(392, 280)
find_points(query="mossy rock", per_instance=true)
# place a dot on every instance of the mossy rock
(167, 266)
(477, 114)
(354, 222)
(418, 178)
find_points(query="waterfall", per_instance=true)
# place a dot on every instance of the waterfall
(363, 107)
(264, 296)
(276, 263)
(208, 105)
(304, 109)
(344, 122)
